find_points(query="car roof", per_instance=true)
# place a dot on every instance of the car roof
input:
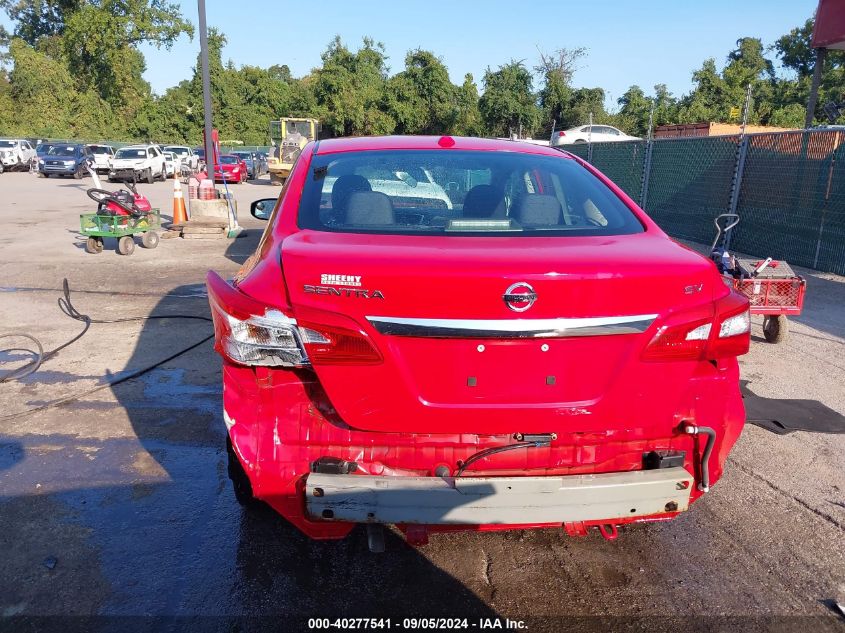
(368, 143)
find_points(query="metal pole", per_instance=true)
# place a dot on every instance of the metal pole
(745, 109)
(821, 53)
(206, 89)
(590, 141)
(650, 121)
(649, 148)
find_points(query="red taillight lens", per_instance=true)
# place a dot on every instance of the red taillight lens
(561, 133)
(332, 345)
(725, 333)
(732, 335)
(684, 341)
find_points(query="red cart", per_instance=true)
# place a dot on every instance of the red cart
(772, 287)
(776, 292)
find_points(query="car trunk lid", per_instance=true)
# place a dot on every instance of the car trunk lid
(491, 334)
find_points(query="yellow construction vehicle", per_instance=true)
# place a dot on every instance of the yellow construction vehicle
(289, 136)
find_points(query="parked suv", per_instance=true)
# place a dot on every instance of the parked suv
(185, 155)
(138, 162)
(540, 354)
(66, 160)
(102, 155)
(16, 153)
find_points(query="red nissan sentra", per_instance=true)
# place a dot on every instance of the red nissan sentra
(452, 333)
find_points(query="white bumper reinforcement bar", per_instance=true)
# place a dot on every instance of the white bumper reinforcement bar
(497, 500)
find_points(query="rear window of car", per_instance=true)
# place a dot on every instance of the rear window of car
(424, 192)
(229, 160)
(100, 149)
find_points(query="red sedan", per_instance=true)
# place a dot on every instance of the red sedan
(231, 169)
(530, 350)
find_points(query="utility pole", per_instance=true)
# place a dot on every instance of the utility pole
(206, 89)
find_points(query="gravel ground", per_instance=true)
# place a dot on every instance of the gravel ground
(117, 504)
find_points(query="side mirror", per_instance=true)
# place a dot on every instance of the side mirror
(262, 209)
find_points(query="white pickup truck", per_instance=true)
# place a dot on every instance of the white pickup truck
(138, 162)
(16, 153)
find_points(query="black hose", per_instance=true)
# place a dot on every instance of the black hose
(66, 306)
(704, 486)
(487, 452)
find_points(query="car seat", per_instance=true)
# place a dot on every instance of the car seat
(484, 201)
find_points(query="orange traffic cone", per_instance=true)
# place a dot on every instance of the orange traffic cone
(180, 213)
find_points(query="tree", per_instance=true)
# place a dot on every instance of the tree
(508, 104)
(350, 89)
(101, 40)
(796, 53)
(468, 120)
(555, 95)
(422, 98)
(635, 109)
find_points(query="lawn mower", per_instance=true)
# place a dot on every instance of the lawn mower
(771, 286)
(120, 214)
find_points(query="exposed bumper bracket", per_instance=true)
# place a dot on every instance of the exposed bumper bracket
(497, 500)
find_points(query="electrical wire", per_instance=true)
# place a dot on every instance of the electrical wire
(67, 307)
(487, 452)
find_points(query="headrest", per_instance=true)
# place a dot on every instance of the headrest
(369, 207)
(484, 201)
(344, 186)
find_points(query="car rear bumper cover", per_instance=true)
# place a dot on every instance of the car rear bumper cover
(497, 500)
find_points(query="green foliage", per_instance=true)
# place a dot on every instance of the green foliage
(508, 104)
(350, 89)
(422, 99)
(73, 68)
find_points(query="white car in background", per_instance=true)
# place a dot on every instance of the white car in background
(138, 162)
(102, 155)
(583, 134)
(185, 155)
(170, 163)
(16, 153)
(405, 188)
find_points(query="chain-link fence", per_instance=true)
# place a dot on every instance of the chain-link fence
(787, 187)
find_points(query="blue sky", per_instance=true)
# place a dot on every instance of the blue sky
(628, 42)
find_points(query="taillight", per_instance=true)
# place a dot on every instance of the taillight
(561, 133)
(726, 333)
(684, 341)
(733, 320)
(251, 333)
(332, 345)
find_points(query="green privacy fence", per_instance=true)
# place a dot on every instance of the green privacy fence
(787, 187)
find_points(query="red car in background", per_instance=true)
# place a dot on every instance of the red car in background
(529, 351)
(231, 169)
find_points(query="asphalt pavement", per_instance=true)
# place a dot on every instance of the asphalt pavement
(116, 505)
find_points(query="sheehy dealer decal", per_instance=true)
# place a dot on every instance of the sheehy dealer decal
(350, 286)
